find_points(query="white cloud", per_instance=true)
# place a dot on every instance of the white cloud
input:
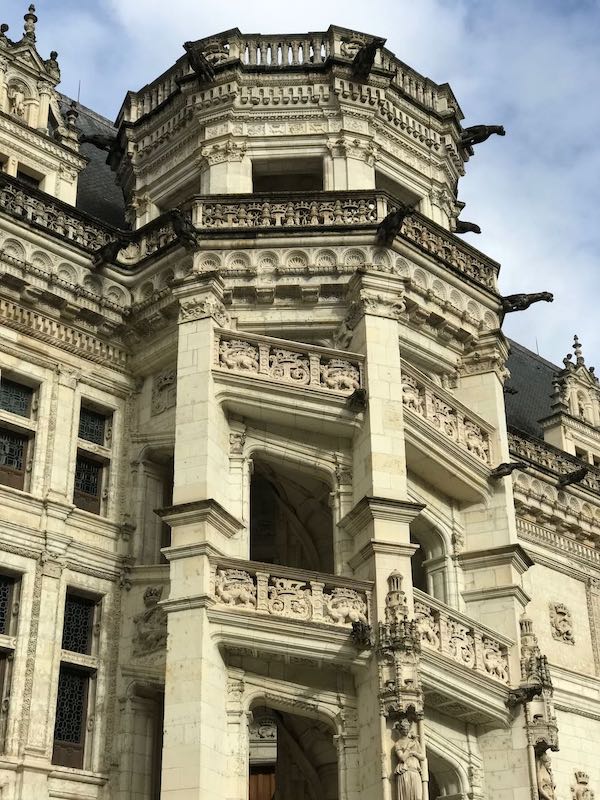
(532, 66)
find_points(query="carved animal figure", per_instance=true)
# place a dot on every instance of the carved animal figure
(505, 469)
(572, 477)
(520, 302)
(184, 230)
(466, 227)
(477, 134)
(365, 58)
(391, 225)
(107, 143)
(199, 63)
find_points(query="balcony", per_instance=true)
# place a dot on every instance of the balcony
(456, 637)
(263, 607)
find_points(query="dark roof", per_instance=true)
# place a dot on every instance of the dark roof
(531, 375)
(97, 192)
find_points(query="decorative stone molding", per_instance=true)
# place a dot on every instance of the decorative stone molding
(224, 152)
(561, 623)
(196, 308)
(150, 625)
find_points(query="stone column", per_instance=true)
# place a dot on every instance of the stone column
(3, 84)
(379, 523)
(45, 92)
(63, 414)
(196, 747)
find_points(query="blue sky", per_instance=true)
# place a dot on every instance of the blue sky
(532, 66)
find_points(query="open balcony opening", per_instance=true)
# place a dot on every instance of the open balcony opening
(428, 563)
(287, 175)
(291, 756)
(386, 183)
(291, 523)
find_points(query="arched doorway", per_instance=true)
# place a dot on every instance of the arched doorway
(291, 757)
(429, 563)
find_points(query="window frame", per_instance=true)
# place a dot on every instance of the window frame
(23, 426)
(101, 454)
(8, 645)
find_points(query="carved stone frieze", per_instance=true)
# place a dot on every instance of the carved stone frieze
(235, 588)
(201, 308)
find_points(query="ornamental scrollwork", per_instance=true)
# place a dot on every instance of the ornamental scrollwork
(286, 365)
(462, 646)
(200, 309)
(235, 587)
(289, 598)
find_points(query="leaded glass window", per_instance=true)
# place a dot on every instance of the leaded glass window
(77, 627)
(71, 711)
(88, 484)
(6, 590)
(92, 426)
(15, 397)
(13, 455)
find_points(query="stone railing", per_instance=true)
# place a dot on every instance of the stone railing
(290, 593)
(42, 211)
(443, 413)
(291, 209)
(288, 363)
(552, 459)
(537, 533)
(461, 639)
(351, 208)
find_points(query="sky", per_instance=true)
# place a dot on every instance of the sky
(530, 65)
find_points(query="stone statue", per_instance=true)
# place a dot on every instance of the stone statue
(391, 225)
(477, 134)
(364, 59)
(199, 63)
(4, 40)
(545, 781)
(409, 772)
(16, 100)
(466, 227)
(521, 302)
(52, 67)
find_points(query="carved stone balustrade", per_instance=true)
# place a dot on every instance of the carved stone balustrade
(551, 459)
(290, 209)
(256, 588)
(461, 639)
(422, 398)
(288, 363)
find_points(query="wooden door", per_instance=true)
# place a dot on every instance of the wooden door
(262, 782)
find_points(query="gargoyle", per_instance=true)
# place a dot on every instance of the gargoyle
(520, 302)
(186, 233)
(362, 634)
(109, 144)
(505, 469)
(510, 390)
(477, 134)
(107, 254)
(466, 227)
(572, 477)
(357, 400)
(365, 58)
(391, 225)
(199, 63)
(522, 694)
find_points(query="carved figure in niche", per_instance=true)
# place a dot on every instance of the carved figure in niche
(16, 100)
(545, 780)
(409, 770)
(581, 790)
(237, 354)
(410, 394)
(562, 623)
(151, 624)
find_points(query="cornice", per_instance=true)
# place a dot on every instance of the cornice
(512, 555)
(198, 512)
(40, 141)
(370, 509)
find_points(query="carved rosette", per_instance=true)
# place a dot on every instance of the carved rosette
(235, 587)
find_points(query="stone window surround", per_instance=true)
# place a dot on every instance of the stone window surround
(22, 425)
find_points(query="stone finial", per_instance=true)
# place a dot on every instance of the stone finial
(72, 114)
(580, 361)
(30, 20)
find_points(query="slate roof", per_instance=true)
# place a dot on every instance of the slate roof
(97, 190)
(531, 375)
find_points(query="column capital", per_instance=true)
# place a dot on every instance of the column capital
(198, 513)
(377, 294)
(200, 296)
(372, 508)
